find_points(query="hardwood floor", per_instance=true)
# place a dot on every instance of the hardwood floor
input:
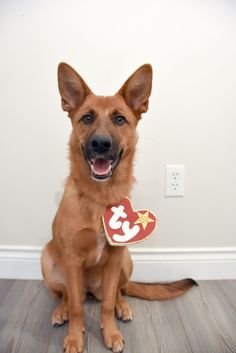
(202, 321)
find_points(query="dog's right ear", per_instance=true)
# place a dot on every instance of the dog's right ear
(72, 88)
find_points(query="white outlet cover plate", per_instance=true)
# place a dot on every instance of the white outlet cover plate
(175, 177)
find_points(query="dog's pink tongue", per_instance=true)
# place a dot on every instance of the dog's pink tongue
(101, 166)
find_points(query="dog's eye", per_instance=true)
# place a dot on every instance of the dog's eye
(87, 118)
(119, 120)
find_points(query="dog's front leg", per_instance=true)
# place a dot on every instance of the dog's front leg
(74, 279)
(110, 279)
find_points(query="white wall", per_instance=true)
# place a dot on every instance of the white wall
(191, 121)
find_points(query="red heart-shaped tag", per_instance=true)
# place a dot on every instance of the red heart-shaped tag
(124, 226)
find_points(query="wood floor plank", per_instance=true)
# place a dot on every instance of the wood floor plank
(93, 334)
(169, 328)
(14, 309)
(202, 321)
(140, 335)
(199, 326)
(24, 326)
(5, 286)
(36, 328)
(57, 339)
(9, 307)
(221, 311)
(229, 288)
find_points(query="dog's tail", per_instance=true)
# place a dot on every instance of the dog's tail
(158, 291)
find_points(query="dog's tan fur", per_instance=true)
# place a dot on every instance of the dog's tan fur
(78, 259)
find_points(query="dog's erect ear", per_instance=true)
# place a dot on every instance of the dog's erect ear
(72, 87)
(137, 89)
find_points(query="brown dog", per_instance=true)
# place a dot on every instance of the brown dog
(78, 259)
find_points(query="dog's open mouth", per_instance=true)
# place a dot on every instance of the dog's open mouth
(101, 168)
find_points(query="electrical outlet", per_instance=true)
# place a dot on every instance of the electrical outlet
(175, 180)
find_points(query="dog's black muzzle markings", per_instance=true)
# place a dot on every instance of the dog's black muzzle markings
(103, 155)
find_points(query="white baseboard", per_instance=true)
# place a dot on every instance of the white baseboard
(20, 262)
(153, 265)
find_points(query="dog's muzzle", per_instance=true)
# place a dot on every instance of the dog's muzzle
(103, 155)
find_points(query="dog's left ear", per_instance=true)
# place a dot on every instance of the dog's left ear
(137, 89)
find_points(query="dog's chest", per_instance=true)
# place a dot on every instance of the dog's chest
(101, 241)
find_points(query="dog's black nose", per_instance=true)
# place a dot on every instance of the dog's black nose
(101, 143)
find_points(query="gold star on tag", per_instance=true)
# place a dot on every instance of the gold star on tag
(143, 219)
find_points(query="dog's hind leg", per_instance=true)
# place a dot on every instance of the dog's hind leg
(56, 284)
(123, 310)
(60, 314)
(52, 276)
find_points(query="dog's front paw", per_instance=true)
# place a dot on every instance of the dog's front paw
(114, 341)
(74, 344)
